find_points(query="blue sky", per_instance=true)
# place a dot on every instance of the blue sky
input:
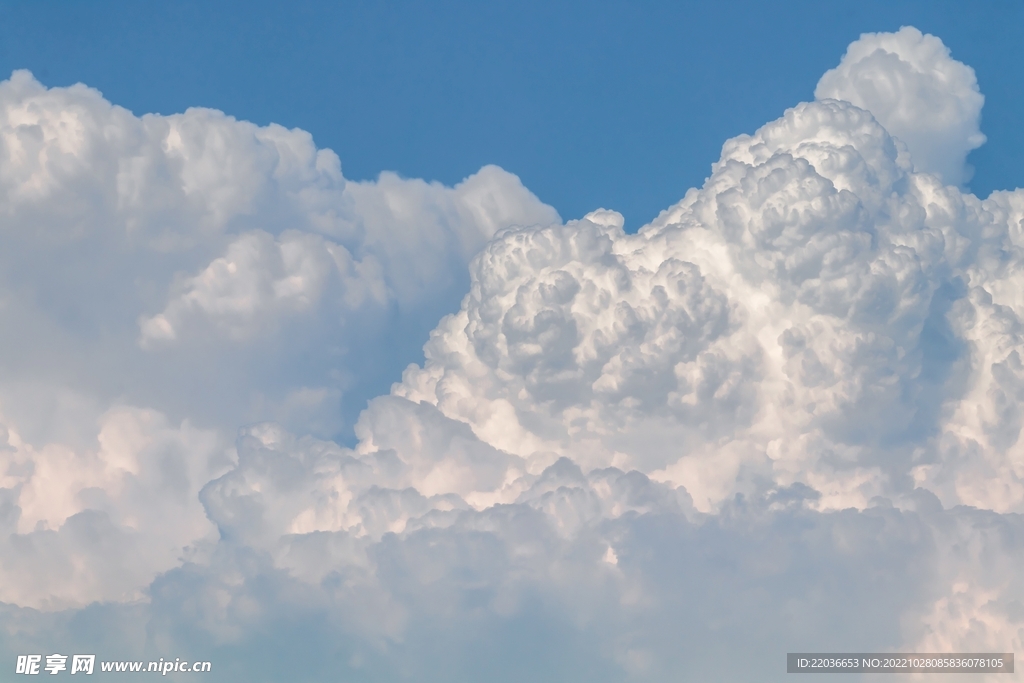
(614, 104)
(502, 342)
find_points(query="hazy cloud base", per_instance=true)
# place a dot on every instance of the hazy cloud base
(783, 416)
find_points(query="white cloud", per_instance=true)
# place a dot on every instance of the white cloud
(165, 280)
(174, 250)
(261, 279)
(783, 416)
(927, 99)
(100, 524)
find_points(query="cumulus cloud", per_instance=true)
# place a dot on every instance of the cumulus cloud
(924, 97)
(100, 524)
(161, 261)
(781, 417)
(165, 280)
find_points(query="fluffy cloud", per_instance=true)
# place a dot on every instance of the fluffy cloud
(160, 261)
(165, 280)
(783, 416)
(921, 95)
(89, 525)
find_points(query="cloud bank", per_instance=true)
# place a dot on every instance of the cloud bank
(784, 416)
(165, 280)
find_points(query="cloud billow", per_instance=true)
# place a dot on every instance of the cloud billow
(929, 101)
(782, 416)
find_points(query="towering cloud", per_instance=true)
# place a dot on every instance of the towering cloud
(783, 416)
(918, 92)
